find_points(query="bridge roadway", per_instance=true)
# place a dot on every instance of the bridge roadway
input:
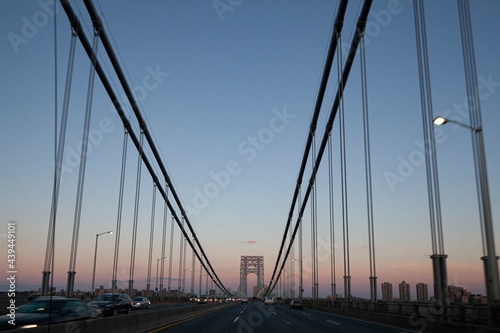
(257, 317)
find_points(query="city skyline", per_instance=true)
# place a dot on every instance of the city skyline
(230, 93)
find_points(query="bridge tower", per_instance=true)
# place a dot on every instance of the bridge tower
(251, 264)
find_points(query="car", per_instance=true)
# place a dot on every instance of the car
(192, 299)
(202, 299)
(296, 304)
(140, 303)
(269, 301)
(112, 304)
(56, 308)
(244, 300)
(279, 300)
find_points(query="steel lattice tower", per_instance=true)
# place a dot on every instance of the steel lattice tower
(251, 264)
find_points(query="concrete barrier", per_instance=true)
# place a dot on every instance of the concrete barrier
(135, 322)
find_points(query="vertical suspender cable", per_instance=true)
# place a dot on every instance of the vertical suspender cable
(171, 257)
(425, 128)
(163, 240)
(49, 252)
(301, 281)
(332, 217)
(192, 275)
(180, 260)
(184, 256)
(151, 239)
(438, 257)
(343, 171)
(119, 214)
(81, 174)
(490, 259)
(473, 101)
(368, 172)
(136, 215)
(314, 228)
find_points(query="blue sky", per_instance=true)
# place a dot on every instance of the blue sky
(221, 80)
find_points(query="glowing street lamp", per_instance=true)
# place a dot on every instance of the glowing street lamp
(490, 258)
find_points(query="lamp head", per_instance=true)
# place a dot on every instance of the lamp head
(440, 121)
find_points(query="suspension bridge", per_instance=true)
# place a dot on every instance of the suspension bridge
(322, 184)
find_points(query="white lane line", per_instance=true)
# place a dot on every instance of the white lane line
(306, 314)
(241, 312)
(275, 313)
(236, 319)
(286, 321)
(333, 322)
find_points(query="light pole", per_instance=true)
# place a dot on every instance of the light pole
(490, 258)
(157, 261)
(92, 291)
(300, 278)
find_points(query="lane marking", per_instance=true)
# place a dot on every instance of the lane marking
(187, 319)
(241, 312)
(274, 313)
(236, 319)
(306, 314)
(333, 322)
(285, 321)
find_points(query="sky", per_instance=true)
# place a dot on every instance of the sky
(228, 88)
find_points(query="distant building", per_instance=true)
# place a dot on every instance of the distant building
(387, 292)
(422, 292)
(459, 294)
(404, 292)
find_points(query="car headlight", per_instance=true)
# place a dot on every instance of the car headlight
(29, 326)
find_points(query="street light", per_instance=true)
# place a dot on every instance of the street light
(300, 278)
(95, 258)
(157, 261)
(490, 259)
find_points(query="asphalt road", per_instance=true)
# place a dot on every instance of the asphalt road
(257, 317)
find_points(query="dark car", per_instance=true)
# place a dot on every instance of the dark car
(112, 304)
(202, 299)
(37, 312)
(296, 304)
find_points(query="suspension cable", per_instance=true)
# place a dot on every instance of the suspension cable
(338, 25)
(120, 210)
(49, 251)
(81, 174)
(151, 239)
(332, 217)
(163, 240)
(116, 102)
(473, 102)
(360, 27)
(368, 172)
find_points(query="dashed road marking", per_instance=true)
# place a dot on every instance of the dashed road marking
(333, 322)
